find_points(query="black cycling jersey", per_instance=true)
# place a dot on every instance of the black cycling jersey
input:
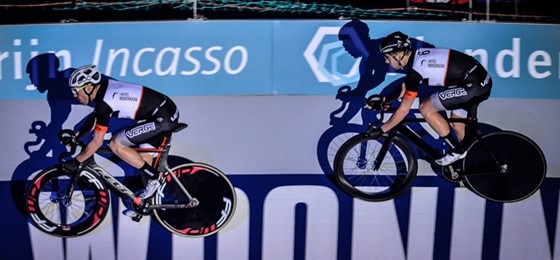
(462, 78)
(156, 112)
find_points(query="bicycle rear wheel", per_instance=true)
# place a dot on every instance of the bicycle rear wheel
(518, 170)
(53, 212)
(213, 190)
(355, 173)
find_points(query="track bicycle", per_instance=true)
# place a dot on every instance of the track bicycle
(502, 166)
(341, 130)
(194, 200)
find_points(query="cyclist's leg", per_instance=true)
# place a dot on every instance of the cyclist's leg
(163, 121)
(152, 131)
(142, 162)
(120, 145)
(149, 132)
(459, 128)
(136, 135)
(430, 109)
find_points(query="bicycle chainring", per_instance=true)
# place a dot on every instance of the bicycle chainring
(452, 175)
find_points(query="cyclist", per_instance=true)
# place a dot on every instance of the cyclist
(355, 39)
(373, 71)
(155, 114)
(463, 81)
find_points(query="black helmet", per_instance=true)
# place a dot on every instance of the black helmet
(395, 42)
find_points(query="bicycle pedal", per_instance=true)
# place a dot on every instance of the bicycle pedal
(137, 218)
(141, 207)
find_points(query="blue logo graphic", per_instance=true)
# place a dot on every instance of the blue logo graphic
(328, 59)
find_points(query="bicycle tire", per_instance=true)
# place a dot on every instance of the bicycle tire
(330, 142)
(49, 211)
(524, 160)
(214, 191)
(357, 178)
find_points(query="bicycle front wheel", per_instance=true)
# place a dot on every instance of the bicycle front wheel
(504, 166)
(365, 171)
(213, 190)
(56, 211)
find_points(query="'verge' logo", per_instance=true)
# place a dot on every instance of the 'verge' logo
(140, 130)
(452, 93)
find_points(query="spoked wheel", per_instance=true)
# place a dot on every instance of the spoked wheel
(53, 210)
(212, 189)
(505, 167)
(355, 168)
(329, 144)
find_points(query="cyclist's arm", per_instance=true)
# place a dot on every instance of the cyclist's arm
(401, 112)
(101, 115)
(408, 94)
(94, 144)
(87, 126)
(395, 94)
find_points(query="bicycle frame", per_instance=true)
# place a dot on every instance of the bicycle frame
(123, 191)
(118, 187)
(471, 133)
(159, 162)
(67, 204)
(404, 130)
(499, 165)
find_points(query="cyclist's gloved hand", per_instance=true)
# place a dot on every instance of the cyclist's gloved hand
(71, 166)
(376, 102)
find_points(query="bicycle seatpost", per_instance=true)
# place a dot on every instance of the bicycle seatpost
(471, 127)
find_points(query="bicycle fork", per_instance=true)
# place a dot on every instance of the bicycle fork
(382, 152)
(66, 199)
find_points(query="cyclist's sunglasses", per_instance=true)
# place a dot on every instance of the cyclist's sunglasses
(76, 90)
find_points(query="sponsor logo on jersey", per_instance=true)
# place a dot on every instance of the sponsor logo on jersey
(432, 63)
(452, 93)
(124, 96)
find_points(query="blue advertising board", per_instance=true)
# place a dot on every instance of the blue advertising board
(268, 57)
